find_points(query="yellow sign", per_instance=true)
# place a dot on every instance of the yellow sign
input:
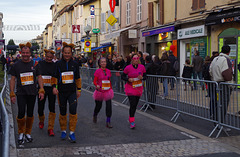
(87, 46)
(111, 20)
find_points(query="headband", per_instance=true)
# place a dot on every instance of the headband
(47, 51)
(28, 44)
(70, 45)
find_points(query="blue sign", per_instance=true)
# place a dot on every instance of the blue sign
(92, 11)
(158, 31)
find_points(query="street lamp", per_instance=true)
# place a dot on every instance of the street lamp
(87, 30)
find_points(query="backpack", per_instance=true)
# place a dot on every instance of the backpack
(176, 66)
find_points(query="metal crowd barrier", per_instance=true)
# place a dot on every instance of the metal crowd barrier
(207, 100)
(4, 121)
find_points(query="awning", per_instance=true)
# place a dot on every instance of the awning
(97, 48)
(158, 30)
(227, 16)
(116, 33)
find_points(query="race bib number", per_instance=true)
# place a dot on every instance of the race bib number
(26, 78)
(136, 83)
(105, 84)
(67, 77)
(47, 80)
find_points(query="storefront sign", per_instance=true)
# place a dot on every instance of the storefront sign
(200, 44)
(92, 11)
(132, 33)
(191, 32)
(232, 15)
(158, 31)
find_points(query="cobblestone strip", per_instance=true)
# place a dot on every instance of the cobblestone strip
(158, 149)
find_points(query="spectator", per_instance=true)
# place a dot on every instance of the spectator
(128, 61)
(214, 54)
(119, 66)
(152, 68)
(165, 72)
(206, 74)
(3, 61)
(109, 62)
(221, 71)
(140, 55)
(187, 73)
(172, 71)
(197, 69)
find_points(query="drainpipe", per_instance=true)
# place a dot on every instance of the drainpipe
(175, 10)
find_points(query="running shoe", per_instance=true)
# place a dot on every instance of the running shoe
(63, 135)
(50, 132)
(108, 125)
(21, 139)
(28, 138)
(72, 138)
(41, 125)
(132, 125)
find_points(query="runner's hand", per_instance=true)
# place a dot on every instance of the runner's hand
(41, 96)
(13, 100)
(55, 91)
(78, 94)
(140, 77)
(98, 87)
(130, 79)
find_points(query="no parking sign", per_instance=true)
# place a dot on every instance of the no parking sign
(87, 46)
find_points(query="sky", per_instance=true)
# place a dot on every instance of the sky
(25, 13)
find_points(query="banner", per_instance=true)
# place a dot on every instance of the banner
(58, 44)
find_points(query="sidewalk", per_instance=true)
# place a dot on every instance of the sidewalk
(152, 136)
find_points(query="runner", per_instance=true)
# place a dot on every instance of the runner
(26, 75)
(67, 85)
(48, 68)
(134, 74)
(103, 91)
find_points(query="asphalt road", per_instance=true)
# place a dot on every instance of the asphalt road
(88, 133)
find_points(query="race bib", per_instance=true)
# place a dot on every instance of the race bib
(67, 77)
(136, 83)
(105, 84)
(47, 80)
(26, 78)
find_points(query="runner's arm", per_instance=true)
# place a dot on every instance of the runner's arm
(12, 86)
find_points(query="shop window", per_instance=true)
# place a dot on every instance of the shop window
(198, 4)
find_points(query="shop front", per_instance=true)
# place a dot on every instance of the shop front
(157, 39)
(225, 30)
(191, 40)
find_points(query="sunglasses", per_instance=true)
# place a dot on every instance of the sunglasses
(135, 58)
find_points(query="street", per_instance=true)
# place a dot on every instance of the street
(153, 136)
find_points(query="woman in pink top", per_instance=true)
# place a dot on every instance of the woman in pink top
(103, 91)
(134, 74)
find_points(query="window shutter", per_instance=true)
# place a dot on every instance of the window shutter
(201, 4)
(103, 23)
(161, 11)
(194, 4)
(150, 14)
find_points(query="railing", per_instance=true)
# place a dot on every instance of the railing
(207, 100)
(4, 121)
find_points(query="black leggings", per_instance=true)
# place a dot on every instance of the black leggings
(69, 97)
(51, 103)
(133, 104)
(99, 106)
(23, 101)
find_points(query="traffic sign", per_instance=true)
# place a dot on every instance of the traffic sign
(112, 4)
(87, 45)
(111, 20)
(75, 28)
(96, 30)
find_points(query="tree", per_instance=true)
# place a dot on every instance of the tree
(11, 42)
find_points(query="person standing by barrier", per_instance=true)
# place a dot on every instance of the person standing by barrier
(119, 66)
(187, 73)
(48, 67)
(221, 71)
(152, 68)
(206, 74)
(134, 74)
(26, 75)
(67, 85)
(197, 63)
(103, 91)
(172, 72)
(165, 72)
